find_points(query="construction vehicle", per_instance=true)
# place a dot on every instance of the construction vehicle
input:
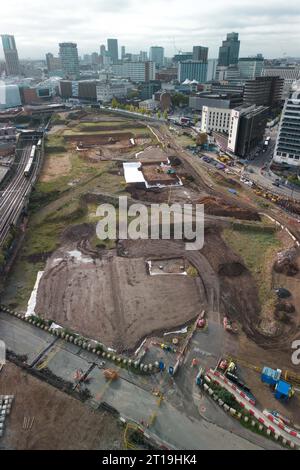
(110, 374)
(229, 325)
(223, 159)
(229, 369)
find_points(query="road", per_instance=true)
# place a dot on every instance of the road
(258, 170)
(130, 395)
(13, 197)
(253, 169)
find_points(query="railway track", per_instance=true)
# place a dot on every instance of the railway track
(12, 199)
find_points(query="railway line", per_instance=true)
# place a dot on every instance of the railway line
(12, 199)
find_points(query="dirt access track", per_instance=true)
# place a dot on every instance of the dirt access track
(114, 299)
(60, 422)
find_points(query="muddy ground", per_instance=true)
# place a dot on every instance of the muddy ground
(109, 295)
(60, 421)
(113, 298)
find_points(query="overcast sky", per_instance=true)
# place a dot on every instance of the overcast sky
(267, 26)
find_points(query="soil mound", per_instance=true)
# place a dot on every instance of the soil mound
(76, 233)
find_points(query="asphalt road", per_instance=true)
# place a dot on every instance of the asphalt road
(265, 177)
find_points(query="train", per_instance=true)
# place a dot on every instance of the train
(29, 165)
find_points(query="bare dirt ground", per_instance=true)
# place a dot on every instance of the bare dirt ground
(196, 194)
(56, 165)
(60, 421)
(113, 298)
(266, 398)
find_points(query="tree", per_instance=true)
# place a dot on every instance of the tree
(158, 114)
(165, 115)
(114, 103)
(179, 99)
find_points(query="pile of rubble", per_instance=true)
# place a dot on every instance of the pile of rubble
(286, 262)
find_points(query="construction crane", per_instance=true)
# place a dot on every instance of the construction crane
(177, 51)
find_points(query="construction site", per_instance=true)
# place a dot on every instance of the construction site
(150, 301)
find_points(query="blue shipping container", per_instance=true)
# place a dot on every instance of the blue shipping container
(270, 376)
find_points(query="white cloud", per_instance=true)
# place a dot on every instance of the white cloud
(268, 27)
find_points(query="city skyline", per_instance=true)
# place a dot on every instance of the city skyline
(132, 24)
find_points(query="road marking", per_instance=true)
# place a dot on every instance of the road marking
(197, 397)
(49, 357)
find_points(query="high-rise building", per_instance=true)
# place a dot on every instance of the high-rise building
(251, 67)
(123, 52)
(102, 49)
(9, 96)
(182, 57)
(211, 69)
(229, 51)
(200, 53)
(95, 58)
(69, 59)
(215, 100)
(112, 49)
(289, 74)
(246, 129)
(227, 73)
(143, 56)
(53, 63)
(156, 55)
(264, 91)
(287, 149)
(192, 70)
(135, 71)
(10, 54)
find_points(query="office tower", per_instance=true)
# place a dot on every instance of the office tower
(143, 57)
(156, 55)
(10, 54)
(251, 67)
(135, 71)
(53, 63)
(69, 59)
(287, 149)
(112, 49)
(95, 58)
(102, 49)
(182, 57)
(123, 52)
(192, 70)
(9, 96)
(211, 69)
(246, 129)
(200, 53)
(289, 74)
(229, 51)
(266, 91)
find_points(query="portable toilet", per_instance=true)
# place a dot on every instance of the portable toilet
(283, 390)
(270, 376)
